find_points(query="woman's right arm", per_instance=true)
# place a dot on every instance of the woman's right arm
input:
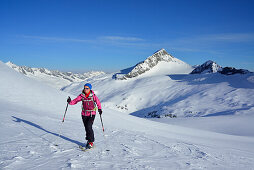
(75, 101)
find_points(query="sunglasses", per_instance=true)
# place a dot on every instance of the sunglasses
(86, 88)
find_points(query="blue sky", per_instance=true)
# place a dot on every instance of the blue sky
(109, 35)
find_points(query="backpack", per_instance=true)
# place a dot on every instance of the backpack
(88, 104)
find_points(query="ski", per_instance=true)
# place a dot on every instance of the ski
(84, 149)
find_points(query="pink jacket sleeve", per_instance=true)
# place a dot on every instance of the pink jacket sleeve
(97, 101)
(75, 101)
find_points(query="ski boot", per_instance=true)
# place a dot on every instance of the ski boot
(89, 145)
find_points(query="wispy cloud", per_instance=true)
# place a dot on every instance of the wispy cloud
(120, 38)
(200, 43)
(211, 43)
(228, 37)
(238, 37)
(56, 39)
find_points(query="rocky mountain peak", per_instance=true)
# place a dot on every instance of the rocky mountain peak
(212, 67)
(159, 56)
(208, 67)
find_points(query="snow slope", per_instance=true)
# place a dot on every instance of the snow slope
(217, 102)
(31, 120)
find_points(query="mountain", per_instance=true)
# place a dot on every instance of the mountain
(212, 67)
(160, 63)
(154, 88)
(208, 67)
(53, 78)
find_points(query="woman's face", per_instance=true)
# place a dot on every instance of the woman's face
(87, 89)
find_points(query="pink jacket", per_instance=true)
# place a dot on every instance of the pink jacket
(79, 98)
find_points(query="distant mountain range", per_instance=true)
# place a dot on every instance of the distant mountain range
(53, 78)
(164, 86)
(160, 63)
(161, 86)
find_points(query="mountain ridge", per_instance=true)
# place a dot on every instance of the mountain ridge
(52, 76)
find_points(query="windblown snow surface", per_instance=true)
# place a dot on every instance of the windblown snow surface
(31, 115)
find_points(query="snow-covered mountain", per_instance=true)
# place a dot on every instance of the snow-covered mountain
(181, 95)
(212, 67)
(31, 115)
(53, 78)
(159, 63)
(208, 67)
(160, 92)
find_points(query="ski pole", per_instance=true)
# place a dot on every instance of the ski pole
(102, 124)
(65, 111)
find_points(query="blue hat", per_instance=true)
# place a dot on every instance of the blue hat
(88, 85)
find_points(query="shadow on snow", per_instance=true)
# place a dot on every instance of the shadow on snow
(19, 120)
(236, 81)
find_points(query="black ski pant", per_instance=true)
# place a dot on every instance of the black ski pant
(88, 123)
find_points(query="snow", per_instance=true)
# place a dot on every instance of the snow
(31, 115)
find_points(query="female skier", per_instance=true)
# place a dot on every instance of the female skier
(89, 102)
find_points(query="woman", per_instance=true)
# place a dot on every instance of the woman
(89, 102)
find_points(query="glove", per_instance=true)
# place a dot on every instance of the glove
(100, 111)
(69, 99)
